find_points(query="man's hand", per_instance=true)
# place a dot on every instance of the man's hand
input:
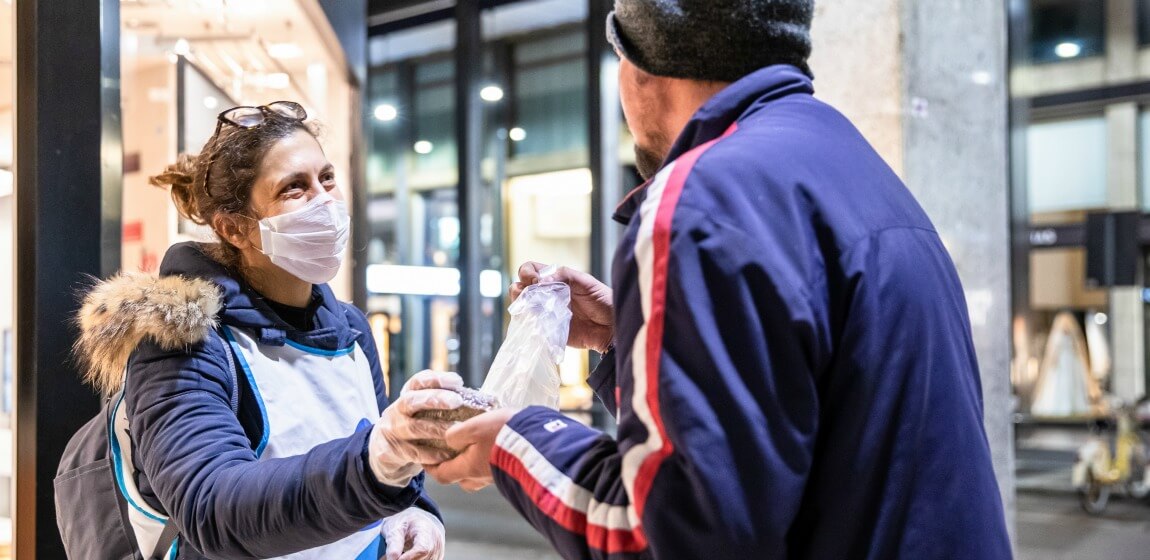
(472, 468)
(592, 304)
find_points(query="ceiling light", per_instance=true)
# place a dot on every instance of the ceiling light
(5, 182)
(1068, 50)
(424, 147)
(517, 134)
(182, 47)
(211, 102)
(278, 80)
(284, 50)
(490, 283)
(491, 94)
(386, 112)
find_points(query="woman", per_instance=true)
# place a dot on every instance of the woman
(250, 392)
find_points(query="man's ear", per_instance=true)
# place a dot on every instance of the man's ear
(232, 229)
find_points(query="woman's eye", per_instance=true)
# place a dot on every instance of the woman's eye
(295, 190)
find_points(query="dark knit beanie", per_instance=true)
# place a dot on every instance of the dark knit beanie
(720, 40)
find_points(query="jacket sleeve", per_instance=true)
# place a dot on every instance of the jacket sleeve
(603, 382)
(717, 418)
(203, 471)
(358, 321)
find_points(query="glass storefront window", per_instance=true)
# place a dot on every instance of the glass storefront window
(434, 122)
(1066, 29)
(551, 77)
(534, 198)
(1066, 165)
(384, 129)
(413, 209)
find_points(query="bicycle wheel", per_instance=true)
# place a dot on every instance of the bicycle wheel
(1136, 486)
(1093, 496)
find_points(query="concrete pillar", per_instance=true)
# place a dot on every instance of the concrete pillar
(925, 80)
(857, 65)
(1126, 327)
(1121, 40)
(956, 144)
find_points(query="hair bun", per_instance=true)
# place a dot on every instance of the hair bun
(180, 178)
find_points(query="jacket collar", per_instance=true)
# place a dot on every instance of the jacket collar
(243, 307)
(734, 103)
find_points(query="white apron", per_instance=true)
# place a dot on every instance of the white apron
(307, 396)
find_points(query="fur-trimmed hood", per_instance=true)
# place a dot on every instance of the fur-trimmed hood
(122, 311)
(192, 295)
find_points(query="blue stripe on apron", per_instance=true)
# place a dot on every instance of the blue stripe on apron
(372, 550)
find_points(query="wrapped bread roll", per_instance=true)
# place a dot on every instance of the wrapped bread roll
(474, 404)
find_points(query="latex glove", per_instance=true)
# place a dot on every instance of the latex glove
(414, 534)
(592, 303)
(392, 452)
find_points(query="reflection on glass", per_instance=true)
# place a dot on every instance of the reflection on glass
(534, 200)
(1143, 22)
(552, 88)
(413, 208)
(1066, 165)
(1066, 29)
(434, 124)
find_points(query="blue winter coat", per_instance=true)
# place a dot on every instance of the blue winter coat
(195, 457)
(793, 368)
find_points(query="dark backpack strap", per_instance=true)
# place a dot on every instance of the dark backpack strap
(167, 537)
(235, 402)
(171, 532)
(121, 500)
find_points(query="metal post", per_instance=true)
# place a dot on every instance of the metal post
(468, 130)
(406, 251)
(111, 139)
(603, 138)
(1018, 49)
(62, 48)
(603, 152)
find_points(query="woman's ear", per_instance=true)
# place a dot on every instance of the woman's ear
(232, 230)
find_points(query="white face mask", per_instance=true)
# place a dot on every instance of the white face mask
(308, 242)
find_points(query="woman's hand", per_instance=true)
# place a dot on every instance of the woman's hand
(393, 452)
(592, 304)
(414, 534)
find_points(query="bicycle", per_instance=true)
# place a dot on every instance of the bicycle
(1099, 468)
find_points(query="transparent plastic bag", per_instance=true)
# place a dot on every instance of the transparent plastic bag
(526, 369)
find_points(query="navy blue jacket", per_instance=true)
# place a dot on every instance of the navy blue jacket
(195, 457)
(793, 371)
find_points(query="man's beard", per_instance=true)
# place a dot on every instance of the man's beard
(647, 162)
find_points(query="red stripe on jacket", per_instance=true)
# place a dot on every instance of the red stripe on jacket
(611, 541)
(661, 243)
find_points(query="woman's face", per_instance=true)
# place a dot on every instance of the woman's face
(294, 171)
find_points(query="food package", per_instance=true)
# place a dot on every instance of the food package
(525, 372)
(474, 404)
